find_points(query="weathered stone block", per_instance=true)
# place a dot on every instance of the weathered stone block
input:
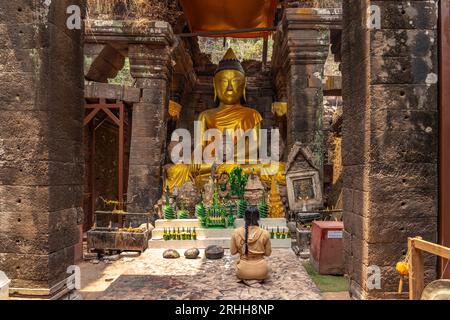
(403, 43)
(404, 97)
(37, 270)
(390, 96)
(403, 70)
(37, 173)
(20, 35)
(403, 120)
(408, 14)
(22, 199)
(40, 152)
(382, 254)
(40, 149)
(12, 94)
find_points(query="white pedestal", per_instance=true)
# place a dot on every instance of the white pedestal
(207, 237)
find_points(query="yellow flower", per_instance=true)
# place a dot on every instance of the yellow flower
(402, 268)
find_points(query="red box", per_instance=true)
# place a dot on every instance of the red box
(326, 253)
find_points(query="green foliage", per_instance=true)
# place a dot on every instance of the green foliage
(238, 181)
(245, 49)
(200, 211)
(242, 206)
(169, 212)
(123, 77)
(216, 213)
(183, 214)
(263, 207)
(230, 221)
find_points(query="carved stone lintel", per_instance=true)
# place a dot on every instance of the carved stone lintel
(157, 33)
(149, 62)
(304, 36)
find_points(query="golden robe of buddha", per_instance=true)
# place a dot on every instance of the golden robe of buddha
(229, 87)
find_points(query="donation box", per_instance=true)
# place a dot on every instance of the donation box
(326, 254)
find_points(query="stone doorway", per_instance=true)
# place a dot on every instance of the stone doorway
(389, 129)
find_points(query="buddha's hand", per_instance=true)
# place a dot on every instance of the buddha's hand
(195, 168)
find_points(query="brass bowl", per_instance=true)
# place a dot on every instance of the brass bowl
(437, 290)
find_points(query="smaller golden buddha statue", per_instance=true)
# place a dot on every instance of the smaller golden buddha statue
(276, 209)
(230, 116)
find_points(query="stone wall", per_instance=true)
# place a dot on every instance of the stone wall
(41, 158)
(301, 49)
(389, 138)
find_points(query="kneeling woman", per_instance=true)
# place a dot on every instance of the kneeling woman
(253, 244)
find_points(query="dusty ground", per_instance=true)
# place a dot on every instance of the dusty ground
(152, 277)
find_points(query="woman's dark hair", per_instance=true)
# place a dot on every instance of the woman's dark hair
(251, 219)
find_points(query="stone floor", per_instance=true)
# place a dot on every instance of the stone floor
(152, 277)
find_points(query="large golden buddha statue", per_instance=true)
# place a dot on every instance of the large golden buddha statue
(231, 115)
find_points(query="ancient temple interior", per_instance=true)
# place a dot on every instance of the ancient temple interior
(179, 117)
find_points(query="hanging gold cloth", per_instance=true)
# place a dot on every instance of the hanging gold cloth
(219, 15)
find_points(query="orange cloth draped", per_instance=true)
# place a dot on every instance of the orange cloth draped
(217, 15)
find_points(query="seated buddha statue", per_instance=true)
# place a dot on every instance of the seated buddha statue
(230, 115)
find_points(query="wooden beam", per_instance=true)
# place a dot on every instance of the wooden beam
(90, 116)
(433, 248)
(416, 271)
(111, 115)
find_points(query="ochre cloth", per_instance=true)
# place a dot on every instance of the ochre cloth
(215, 15)
(234, 117)
(179, 174)
(252, 266)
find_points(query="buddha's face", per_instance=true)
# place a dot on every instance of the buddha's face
(229, 86)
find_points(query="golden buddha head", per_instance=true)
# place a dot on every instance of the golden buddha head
(229, 80)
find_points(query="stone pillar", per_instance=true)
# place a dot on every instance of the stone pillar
(151, 66)
(302, 46)
(390, 135)
(41, 157)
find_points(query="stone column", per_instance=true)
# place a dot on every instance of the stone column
(41, 157)
(390, 135)
(151, 66)
(302, 46)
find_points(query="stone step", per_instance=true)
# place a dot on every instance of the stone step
(203, 243)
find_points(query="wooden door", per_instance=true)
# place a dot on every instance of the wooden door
(444, 225)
